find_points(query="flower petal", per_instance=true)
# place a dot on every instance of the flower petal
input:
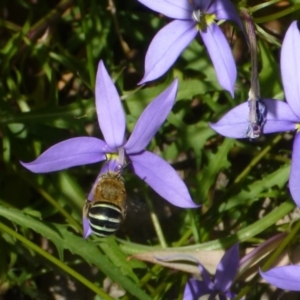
(290, 67)
(202, 5)
(157, 173)
(221, 56)
(110, 112)
(87, 231)
(234, 124)
(194, 289)
(225, 10)
(69, 153)
(284, 277)
(151, 119)
(177, 9)
(295, 172)
(227, 269)
(166, 46)
(279, 118)
(206, 277)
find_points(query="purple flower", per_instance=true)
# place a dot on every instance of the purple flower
(192, 16)
(86, 150)
(284, 277)
(281, 116)
(225, 274)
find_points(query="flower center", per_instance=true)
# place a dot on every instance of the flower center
(202, 19)
(119, 158)
(197, 15)
(112, 156)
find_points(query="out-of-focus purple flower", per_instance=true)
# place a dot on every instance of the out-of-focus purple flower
(220, 285)
(281, 116)
(192, 16)
(115, 149)
(284, 277)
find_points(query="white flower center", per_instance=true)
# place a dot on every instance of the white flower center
(197, 15)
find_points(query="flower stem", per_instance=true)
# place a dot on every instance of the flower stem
(124, 45)
(281, 247)
(257, 158)
(277, 15)
(52, 201)
(254, 92)
(242, 235)
(156, 224)
(38, 29)
(263, 5)
(89, 45)
(270, 261)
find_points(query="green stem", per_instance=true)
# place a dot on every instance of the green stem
(155, 269)
(10, 25)
(254, 93)
(89, 45)
(263, 5)
(55, 261)
(268, 156)
(278, 250)
(260, 252)
(156, 225)
(52, 201)
(49, 113)
(256, 159)
(124, 45)
(281, 247)
(184, 238)
(241, 236)
(277, 15)
(38, 29)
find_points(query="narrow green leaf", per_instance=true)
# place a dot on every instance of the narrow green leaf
(216, 162)
(64, 239)
(251, 194)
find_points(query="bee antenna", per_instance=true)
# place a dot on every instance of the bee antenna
(127, 164)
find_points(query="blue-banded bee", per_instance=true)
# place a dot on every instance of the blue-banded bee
(107, 208)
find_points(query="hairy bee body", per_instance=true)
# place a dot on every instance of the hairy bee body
(107, 208)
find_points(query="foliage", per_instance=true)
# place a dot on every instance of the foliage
(48, 61)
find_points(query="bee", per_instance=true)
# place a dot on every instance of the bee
(107, 208)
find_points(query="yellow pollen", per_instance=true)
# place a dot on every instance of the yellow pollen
(210, 18)
(205, 20)
(112, 156)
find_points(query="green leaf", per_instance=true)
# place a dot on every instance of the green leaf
(43, 228)
(113, 251)
(216, 162)
(270, 73)
(252, 191)
(90, 252)
(191, 87)
(64, 239)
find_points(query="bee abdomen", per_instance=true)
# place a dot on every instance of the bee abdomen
(105, 218)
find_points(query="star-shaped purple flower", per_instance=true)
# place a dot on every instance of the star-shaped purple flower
(225, 274)
(86, 150)
(283, 277)
(281, 116)
(192, 16)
